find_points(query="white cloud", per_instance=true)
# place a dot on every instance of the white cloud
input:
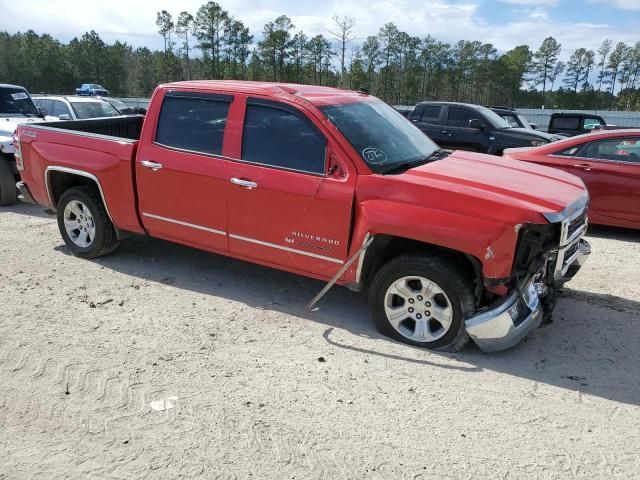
(627, 4)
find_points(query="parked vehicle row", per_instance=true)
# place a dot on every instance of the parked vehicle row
(327, 183)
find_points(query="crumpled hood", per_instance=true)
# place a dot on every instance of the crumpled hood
(8, 124)
(497, 188)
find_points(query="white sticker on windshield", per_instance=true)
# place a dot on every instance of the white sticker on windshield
(374, 156)
(19, 96)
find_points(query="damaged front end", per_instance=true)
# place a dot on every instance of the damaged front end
(546, 257)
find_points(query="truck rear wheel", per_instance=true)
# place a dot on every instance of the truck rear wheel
(8, 194)
(84, 223)
(423, 301)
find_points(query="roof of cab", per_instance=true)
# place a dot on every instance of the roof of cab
(317, 95)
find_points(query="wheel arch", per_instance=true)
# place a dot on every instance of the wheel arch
(385, 248)
(60, 179)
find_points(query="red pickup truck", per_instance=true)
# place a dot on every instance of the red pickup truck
(326, 183)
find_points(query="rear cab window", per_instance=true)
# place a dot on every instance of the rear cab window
(565, 123)
(278, 135)
(193, 122)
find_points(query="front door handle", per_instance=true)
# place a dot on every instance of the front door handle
(248, 184)
(447, 132)
(152, 165)
(586, 168)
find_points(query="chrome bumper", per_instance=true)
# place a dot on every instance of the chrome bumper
(507, 324)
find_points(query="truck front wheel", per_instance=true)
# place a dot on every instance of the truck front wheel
(84, 223)
(422, 300)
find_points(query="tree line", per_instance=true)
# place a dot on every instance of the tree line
(398, 67)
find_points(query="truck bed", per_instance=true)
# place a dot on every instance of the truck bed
(120, 127)
(101, 149)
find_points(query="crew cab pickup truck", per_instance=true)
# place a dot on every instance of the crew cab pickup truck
(327, 183)
(463, 126)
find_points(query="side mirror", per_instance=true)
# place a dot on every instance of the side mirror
(64, 116)
(43, 112)
(477, 124)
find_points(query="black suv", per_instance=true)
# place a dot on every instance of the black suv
(571, 124)
(462, 126)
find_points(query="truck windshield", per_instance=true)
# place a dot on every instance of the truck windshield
(381, 136)
(16, 101)
(86, 110)
(493, 118)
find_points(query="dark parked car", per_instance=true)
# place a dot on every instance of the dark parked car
(462, 126)
(570, 124)
(123, 108)
(513, 118)
(92, 89)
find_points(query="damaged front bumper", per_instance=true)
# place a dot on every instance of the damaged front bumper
(506, 324)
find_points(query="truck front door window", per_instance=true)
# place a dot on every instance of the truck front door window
(459, 117)
(279, 138)
(194, 124)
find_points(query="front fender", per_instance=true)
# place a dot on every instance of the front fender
(491, 242)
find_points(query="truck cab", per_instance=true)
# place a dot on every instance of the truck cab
(463, 126)
(327, 183)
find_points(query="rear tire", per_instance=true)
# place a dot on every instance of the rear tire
(84, 224)
(423, 301)
(8, 193)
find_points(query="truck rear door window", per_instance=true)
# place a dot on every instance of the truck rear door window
(280, 138)
(192, 123)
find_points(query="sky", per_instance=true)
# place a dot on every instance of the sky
(504, 23)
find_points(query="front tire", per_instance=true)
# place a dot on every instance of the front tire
(423, 301)
(84, 224)
(8, 193)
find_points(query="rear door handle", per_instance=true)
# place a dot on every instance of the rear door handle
(447, 132)
(248, 184)
(152, 165)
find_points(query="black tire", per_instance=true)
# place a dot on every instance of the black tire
(8, 193)
(105, 240)
(447, 275)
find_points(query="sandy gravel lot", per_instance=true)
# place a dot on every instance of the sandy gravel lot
(166, 362)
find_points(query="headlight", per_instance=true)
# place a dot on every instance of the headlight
(538, 143)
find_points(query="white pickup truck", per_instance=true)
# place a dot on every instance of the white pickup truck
(16, 107)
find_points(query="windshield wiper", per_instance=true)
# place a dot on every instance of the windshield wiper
(435, 155)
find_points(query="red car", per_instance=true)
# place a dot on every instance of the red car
(609, 164)
(327, 183)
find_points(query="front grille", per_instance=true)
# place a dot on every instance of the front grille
(570, 252)
(576, 224)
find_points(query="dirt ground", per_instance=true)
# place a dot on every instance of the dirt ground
(161, 361)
